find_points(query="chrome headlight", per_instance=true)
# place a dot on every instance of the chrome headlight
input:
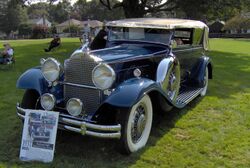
(74, 106)
(51, 69)
(103, 76)
(48, 101)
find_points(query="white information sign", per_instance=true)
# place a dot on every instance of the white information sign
(39, 136)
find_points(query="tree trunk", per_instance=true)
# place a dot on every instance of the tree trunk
(133, 13)
(132, 9)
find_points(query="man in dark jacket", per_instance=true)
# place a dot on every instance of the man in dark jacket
(99, 41)
(54, 43)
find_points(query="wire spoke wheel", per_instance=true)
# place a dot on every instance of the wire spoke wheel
(136, 126)
(173, 82)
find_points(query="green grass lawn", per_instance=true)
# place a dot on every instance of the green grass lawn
(213, 131)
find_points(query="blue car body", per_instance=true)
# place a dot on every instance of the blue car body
(152, 59)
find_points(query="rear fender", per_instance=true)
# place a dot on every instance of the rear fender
(199, 71)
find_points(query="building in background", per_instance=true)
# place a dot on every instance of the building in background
(40, 21)
(93, 25)
(71, 22)
(216, 26)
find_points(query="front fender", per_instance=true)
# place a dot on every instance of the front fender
(131, 91)
(32, 79)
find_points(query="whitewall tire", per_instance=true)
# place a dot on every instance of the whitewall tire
(204, 89)
(136, 126)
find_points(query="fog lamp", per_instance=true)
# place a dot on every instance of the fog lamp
(48, 101)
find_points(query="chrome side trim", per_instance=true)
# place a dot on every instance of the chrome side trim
(78, 85)
(82, 127)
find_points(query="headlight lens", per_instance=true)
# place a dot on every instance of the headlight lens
(103, 76)
(74, 106)
(48, 101)
(51, 69)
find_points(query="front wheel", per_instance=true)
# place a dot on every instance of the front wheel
(30, 100)
(136, 126)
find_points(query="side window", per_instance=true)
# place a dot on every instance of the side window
(183, 37)
(197, 37)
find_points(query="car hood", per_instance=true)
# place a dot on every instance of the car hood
(127, 51)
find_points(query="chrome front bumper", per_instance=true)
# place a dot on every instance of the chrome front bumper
(69, 123)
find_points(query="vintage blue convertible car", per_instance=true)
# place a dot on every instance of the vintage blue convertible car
(148, 65)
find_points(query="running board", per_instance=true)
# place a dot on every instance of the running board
(187, 96)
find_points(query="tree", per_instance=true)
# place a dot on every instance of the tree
(94, 10)
(38, 10)
(30, 1)
(53, 29)
(80, 10)
(210, 10)
(139, 8)
(193, 9)
(14, 15)
(60, 12)
(40, 31)
(111, 9)
(24, 29)
(224, 10)
(239, 22)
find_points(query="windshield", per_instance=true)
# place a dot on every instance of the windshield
(141, 34)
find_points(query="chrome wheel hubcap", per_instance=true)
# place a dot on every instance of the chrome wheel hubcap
(172, 86)
(138, 124)
(172, 81)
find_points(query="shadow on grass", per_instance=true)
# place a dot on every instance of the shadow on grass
(231, 76)
(93, 152)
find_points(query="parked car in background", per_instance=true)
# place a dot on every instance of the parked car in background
(148, 65)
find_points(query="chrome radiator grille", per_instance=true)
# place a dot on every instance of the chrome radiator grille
(79, 71)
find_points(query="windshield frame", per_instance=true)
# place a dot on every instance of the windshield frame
(168, 43)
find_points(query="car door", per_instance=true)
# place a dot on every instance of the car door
(188, 49)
